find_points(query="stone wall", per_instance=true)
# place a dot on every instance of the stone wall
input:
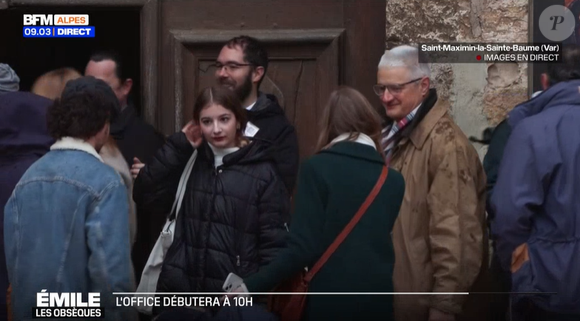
(480, 94)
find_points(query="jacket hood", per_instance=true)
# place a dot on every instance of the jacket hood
(566, 93)
(23, 128)
(266, 105)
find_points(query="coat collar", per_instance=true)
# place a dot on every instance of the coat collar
(424, 128)
(355, 150)
(361, 138)
(122, 121)
(565, 93)
(75, 144)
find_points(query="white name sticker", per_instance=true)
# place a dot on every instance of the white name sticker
(251, 130)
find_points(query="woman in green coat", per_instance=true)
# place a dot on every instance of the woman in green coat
(332, 185)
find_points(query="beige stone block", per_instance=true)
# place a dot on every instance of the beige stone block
(479, 97)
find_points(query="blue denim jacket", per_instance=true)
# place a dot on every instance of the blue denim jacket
(66, 229)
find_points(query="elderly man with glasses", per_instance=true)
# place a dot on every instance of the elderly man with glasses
(440, 234)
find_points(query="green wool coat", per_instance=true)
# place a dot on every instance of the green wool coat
(332, 185)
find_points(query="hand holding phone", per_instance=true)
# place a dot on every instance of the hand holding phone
(232, 282)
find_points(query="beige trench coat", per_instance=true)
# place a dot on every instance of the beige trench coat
(439, 235)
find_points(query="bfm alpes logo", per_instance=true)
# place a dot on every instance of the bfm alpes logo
(57, 25)
(67, 305)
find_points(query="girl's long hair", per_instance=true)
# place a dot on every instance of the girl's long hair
(348, 111)
(52, 83)
(217, 95)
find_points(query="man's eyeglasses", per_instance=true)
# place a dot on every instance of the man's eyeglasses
(393, 89)
(230, 66)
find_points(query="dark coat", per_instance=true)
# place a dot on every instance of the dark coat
(135, 137)
(492, 160)
(24, 139)
(274, 127)
(232, 218)
(501, 279)
(332, 185)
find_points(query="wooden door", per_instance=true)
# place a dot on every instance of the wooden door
(314, 46)
(147, 42)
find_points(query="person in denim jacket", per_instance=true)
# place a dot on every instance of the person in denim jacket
(65, 228)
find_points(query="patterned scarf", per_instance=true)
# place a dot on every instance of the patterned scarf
(390, 131)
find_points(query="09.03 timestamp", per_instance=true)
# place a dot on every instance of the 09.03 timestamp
(30, 32)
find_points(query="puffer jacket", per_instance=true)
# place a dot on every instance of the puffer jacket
(232, 219)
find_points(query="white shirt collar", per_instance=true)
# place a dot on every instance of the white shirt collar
(252, 105)
(417, 108)
(76, 144)
(362, 139)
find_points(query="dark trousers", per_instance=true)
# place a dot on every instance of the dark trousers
(526, 310)
(502, 282)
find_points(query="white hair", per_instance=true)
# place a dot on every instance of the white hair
(405, 56)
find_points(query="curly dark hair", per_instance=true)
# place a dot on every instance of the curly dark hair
(84, 107)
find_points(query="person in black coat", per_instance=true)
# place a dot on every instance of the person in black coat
(269, 117)
(135, 137)
(137, 140)
(241, 67)
(235, 208)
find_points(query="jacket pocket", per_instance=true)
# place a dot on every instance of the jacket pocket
(523, 278)
(552, 275)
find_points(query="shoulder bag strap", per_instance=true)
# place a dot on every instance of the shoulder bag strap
(340, 238)
(182, 186)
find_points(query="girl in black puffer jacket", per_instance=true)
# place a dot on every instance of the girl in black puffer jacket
(234, 212)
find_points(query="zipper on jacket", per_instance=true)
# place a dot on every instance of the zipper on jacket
(286, 226)
(238, 263)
